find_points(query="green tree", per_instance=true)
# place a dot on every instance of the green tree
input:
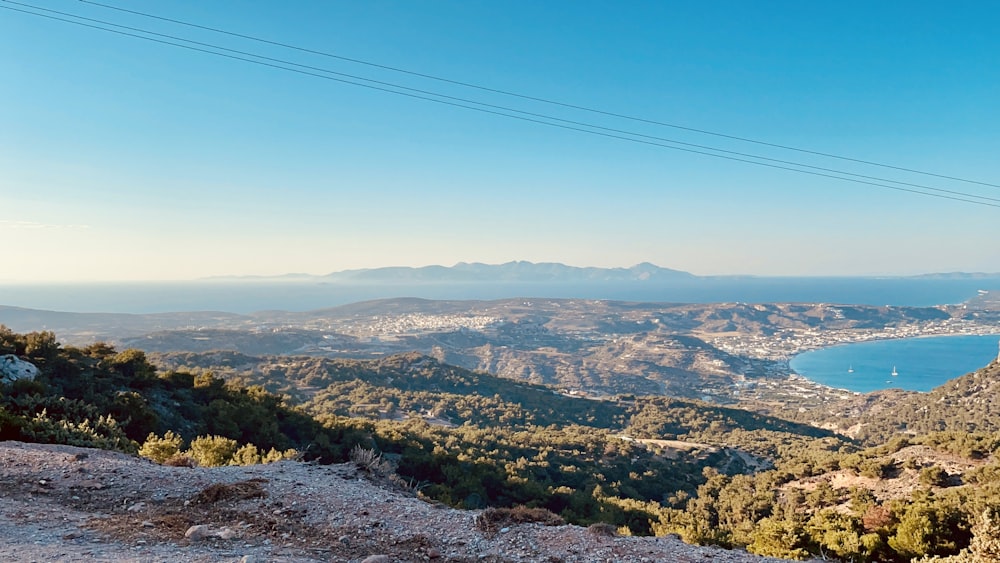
(915, 533)
(775, 537)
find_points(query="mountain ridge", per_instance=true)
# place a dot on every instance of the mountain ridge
(513, 271)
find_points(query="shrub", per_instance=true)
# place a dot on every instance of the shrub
(246, 455)
(371, 461)
(161, 449)
(933, 476)
(274, 455)
(212, 451)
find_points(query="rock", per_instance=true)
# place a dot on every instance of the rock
(137, 507)
(434, 553)
(13, 368)
(226, 533)
(248, 559)
(346, 540)
(148, 524)
(376, 559)
(197, 533)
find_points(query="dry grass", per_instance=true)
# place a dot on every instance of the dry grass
(242, 490)
(493, 519)
(602, 529)
(180, 460)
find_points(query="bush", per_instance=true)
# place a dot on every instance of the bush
(212, 451)
(161, 449)
(246, 455)
(933, 476)
(274, 455)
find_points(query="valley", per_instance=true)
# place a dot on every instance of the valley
(648, 418)
(725, 353)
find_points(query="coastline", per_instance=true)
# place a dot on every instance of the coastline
(786, 344)
(924, 362)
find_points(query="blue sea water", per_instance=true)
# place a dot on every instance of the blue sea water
(246, 297)
(922, 363)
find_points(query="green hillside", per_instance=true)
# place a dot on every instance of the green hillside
(646, 465)
(970, 403)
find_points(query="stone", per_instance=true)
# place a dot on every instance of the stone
(434, 553)
(248, 559)
(226, 533)
(197, 533)
(13, 368)
(376, 559)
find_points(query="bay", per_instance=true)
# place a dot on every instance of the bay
(922, 363)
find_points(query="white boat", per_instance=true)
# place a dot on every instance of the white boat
(850, 369)
(894, 372)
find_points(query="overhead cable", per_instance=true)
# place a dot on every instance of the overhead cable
(539, 99)
(544, 120)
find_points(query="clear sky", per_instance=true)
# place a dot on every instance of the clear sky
(123, 159)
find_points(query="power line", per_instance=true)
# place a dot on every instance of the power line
(509, 109)
(538, 99)
(962, 196)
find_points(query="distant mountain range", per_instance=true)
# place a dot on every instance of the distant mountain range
(464, 272)
(540, 272)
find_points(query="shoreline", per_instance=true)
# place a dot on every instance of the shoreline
(922, 380)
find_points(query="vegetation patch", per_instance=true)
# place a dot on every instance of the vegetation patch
(242, 490)
(493, 520)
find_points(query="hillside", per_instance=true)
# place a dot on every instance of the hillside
(638, 465)
(721, 352)
(409, 385)
(63, 503)
(970, 403)
(468, 439)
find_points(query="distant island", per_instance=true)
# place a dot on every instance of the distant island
(521, 271)
(465, 272)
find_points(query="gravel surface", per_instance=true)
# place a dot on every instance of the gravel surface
(62, 503)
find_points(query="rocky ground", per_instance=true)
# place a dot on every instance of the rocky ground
(62, 503)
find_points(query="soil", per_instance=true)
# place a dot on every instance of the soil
(63, 503)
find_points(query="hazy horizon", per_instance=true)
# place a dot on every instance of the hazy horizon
(292, 277)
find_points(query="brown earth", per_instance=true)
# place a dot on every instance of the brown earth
(62, 503)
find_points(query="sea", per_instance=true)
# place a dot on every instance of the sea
(920, 364)
(250, 296)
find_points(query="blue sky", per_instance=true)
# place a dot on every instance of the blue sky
(122, 159)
